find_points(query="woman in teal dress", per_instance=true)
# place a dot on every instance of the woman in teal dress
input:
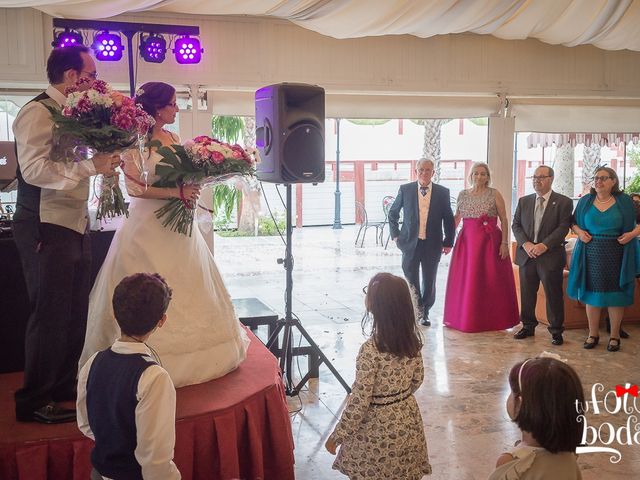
(606, 258)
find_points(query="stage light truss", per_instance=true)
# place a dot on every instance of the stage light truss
(154, 43)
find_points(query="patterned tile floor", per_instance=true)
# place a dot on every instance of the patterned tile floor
(465, 388)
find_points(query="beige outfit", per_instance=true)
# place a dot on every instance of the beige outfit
(535, 463)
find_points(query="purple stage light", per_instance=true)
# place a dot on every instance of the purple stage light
(153, 48)
(67, 39)
(188, 50)
(107, 47)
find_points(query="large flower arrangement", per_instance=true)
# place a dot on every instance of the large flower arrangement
(202, 161)
(98, 119)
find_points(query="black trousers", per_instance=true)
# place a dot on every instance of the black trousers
(56, 263)
(531, 274)
(422, 259)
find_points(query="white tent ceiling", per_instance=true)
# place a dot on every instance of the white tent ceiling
(607, 24)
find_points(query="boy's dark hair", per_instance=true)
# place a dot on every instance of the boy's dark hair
(62, 59)
(548, 408)
(140, 301)
(394, 328)
(155, 95)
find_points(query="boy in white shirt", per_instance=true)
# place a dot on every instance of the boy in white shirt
(126, 400)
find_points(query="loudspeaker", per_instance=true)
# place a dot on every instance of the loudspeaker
(290, 133)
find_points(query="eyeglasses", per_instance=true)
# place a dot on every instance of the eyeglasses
(601, 179)
(364, 289)
(93, 75)
(540, 177)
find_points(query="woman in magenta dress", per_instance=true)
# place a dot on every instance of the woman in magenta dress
(481, 291)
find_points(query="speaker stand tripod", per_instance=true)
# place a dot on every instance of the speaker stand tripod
(285, 354)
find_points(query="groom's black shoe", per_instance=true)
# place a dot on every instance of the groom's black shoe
(51, 413)
(425, 320)
(556, 339)
(524, 333)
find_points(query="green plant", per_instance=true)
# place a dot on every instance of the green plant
(225, 197)
(227, 129)
(633, 185)
(267, 227)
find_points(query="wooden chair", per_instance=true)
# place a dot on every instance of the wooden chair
(365, 225)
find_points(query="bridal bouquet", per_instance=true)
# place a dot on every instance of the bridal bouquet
(201, 161)
(99, 119)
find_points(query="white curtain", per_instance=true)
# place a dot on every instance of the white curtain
(607, 24)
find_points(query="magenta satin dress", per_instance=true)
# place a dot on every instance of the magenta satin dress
(481, 291)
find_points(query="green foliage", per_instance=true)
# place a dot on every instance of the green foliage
(368, 121)
(227, 129)
(225, 197)
(267, 227)
(480, 121)
(633, 154)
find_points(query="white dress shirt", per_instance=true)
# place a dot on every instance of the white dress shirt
(155, 415)
(64, 184)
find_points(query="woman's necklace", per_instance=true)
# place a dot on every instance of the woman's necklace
(604, 201)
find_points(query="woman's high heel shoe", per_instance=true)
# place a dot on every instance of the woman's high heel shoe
(589, 345)
(613, 347)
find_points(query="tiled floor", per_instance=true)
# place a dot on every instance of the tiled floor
(464, 392)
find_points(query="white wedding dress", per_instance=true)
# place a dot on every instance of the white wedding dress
(202, 338)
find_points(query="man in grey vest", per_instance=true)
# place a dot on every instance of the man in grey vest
(50, 229)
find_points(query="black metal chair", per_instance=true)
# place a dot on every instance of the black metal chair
(387, 202)
(365, 225)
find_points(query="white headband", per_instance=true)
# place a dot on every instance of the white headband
(520, 374)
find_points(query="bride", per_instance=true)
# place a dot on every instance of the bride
(202, 338)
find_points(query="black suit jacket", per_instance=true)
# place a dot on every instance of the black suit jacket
(555, 225)
(440, 217)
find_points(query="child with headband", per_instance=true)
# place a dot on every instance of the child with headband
(545, 401)
(380, 432)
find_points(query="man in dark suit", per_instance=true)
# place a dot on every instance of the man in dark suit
(540, 225)
(426, 209)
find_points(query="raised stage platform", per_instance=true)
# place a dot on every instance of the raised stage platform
(235, 427)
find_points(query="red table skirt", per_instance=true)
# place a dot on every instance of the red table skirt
(234, 427)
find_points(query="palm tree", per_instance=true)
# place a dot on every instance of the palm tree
(226, 197)
(590, 161)
(432, 137)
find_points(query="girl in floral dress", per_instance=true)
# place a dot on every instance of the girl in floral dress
(380, 433)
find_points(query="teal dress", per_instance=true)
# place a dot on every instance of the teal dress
(602, 272)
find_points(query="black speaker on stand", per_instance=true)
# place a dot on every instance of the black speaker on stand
(290, 137)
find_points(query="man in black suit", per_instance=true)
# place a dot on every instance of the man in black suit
(426, 211)
(540, 225)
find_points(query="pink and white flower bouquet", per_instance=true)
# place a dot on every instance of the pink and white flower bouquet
(99, 119)
(202, 161)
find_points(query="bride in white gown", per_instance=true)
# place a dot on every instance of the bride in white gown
(202, 338)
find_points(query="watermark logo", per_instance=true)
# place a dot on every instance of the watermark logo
(606, 437)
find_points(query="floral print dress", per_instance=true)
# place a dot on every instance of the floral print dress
(380, 433)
